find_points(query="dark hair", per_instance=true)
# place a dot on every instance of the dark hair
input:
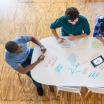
(102, 26)
(11, 46)
(72, 13)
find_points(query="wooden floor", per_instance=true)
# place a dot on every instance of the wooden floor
(34, 17)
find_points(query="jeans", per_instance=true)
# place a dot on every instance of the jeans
(28, 62)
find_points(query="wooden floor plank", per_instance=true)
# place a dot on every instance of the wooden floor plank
(34, 17)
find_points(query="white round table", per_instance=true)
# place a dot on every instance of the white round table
(69, 64)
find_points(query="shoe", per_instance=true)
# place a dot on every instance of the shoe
(40, 91)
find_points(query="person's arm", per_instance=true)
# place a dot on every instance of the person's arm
(57, 24)
(86, 28)
(82, 36)
(34, 40)
(73, 37)
(59, 39)
(54, 32)
(96, 32)
(23, 70)
(28, 38)
(100, 39)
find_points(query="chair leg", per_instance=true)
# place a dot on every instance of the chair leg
(19, 78)
(82, 98)
(83, 92)
(88, 95)
(59, 94)
(62, 97)
(51, 88)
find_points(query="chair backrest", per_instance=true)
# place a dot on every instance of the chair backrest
(97, 90)
(69, 89)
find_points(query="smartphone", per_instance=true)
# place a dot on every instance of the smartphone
(97, 61)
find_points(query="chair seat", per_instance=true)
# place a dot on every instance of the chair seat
(97, 90)
(69, 89)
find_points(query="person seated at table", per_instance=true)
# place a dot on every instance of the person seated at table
(73, 25)
(99, 28)
(18, 56)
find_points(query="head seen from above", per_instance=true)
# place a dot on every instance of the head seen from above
(13, 47)
(72, 14)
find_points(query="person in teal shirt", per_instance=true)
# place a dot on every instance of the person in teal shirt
(72, 25)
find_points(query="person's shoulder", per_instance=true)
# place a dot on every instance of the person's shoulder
(100, 18)
(17, 38)
(82, 18)
(7, 55)
(22, 38)
(62, 18)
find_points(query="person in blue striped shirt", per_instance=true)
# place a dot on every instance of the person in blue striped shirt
(99, 28)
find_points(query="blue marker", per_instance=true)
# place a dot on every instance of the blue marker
(93, 75)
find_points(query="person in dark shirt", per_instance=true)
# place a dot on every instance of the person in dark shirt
(72, 25)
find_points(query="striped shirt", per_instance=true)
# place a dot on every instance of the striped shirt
(97, 30)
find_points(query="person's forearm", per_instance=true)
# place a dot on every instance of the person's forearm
(30, 67)
(82, 36)
(54, 32)
(100, 38)
(36, 41)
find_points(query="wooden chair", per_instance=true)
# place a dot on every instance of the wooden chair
(93, 90)
(61, 89)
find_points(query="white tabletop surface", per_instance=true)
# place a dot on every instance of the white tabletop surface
(69, 64)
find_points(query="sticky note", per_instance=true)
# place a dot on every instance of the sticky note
(95, 44)
(72, 59)
(65, 45)
(75, 69)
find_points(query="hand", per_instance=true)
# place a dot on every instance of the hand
(103, 42)
(43, 49)
(60, 40)
(41, 58)
(71, 37)
(100, 38)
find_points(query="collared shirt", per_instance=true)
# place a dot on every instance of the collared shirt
(16, 59)
(97, 30)
(82, 26)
